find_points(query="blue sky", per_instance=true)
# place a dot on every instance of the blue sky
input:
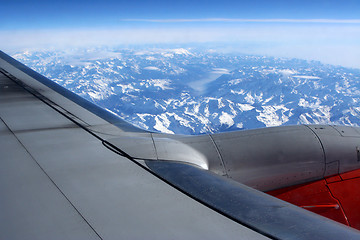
(22, 14)
(312, 29)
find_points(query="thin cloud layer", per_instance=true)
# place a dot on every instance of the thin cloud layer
(241, 20)
(331, 43)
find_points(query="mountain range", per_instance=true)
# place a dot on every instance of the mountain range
(192, 91)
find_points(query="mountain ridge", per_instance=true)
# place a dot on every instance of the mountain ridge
(193, 92)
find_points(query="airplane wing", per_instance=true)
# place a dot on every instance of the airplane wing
(72, 170)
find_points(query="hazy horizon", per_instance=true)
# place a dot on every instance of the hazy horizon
(327, 31)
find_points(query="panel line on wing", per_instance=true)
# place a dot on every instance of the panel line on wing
(66, 114)
(322, 147)
(221, 158)
(52, 181)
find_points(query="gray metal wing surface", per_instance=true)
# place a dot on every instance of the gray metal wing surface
(71, 170)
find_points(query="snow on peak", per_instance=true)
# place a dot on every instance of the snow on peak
(152, 68)
(271, 116)
(94, 95)
(287, 72)
(181, 51)
(162, 124)
(306, 77)
(235, 81)
(226, 119)
(163, 84)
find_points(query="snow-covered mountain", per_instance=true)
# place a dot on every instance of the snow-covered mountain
(191, 91)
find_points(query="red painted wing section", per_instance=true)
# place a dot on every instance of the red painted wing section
(348, 194)
(315, 197)
(336, 197)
